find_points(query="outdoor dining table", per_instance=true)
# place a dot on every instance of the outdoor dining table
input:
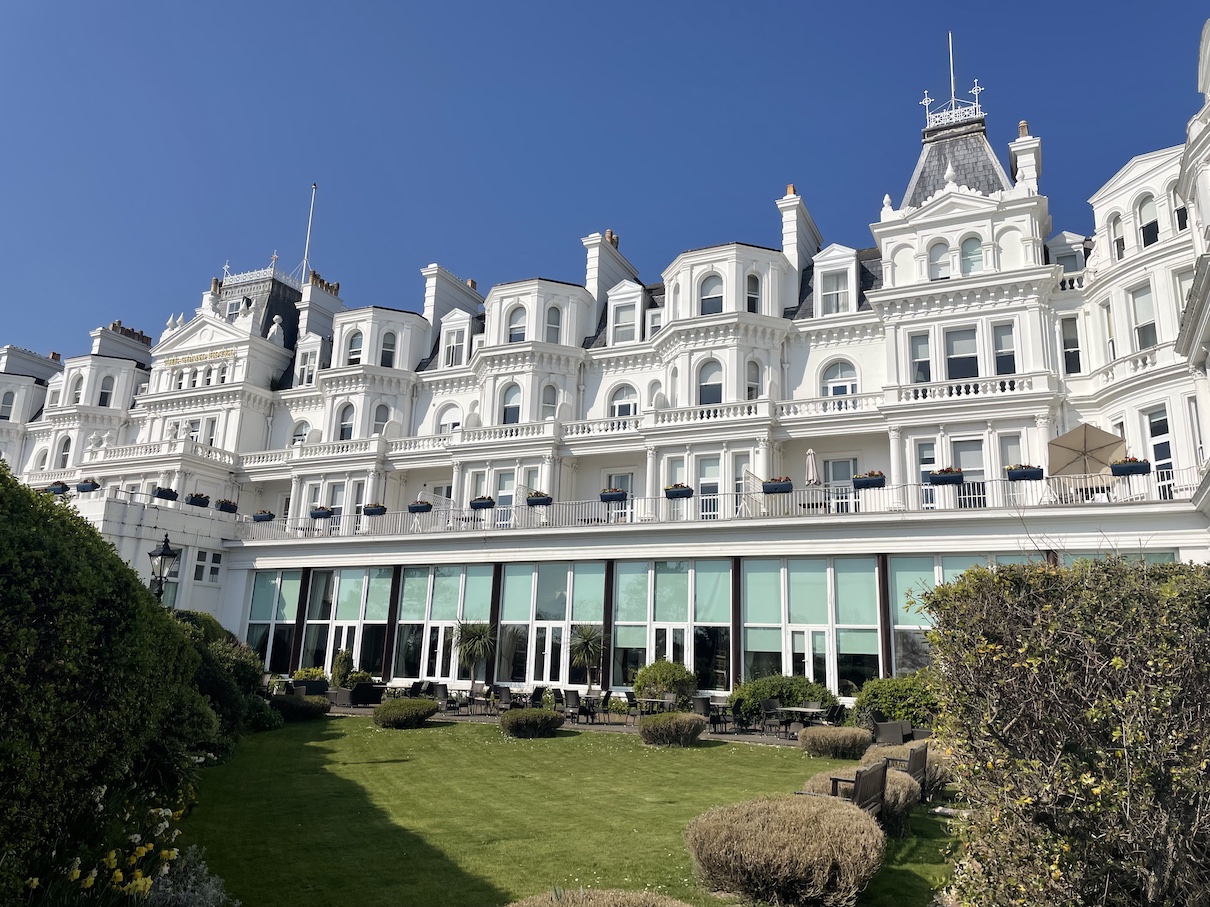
(650, 706)
(789, 714)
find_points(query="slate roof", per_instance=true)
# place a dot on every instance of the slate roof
(965, 146)
(869, 276)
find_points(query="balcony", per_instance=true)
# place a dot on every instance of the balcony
(815, 503)
(172, 447)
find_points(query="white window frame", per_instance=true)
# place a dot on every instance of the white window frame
(353, 352)
(834, 293)
(715, 299)
(453, 348)
(620, 327)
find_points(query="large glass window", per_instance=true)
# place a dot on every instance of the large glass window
(961, 354)
(918, 347)
(972, 255)
(631, 591)
(672, 591)
(710, 384)
(387, 358)
(834, 294)
(1144, 317)
(629, 653)
(1071, 345)
(1006, 353)
(808, 587)
(762, 591)
(712, 295)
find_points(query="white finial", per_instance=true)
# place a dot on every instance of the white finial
(925, 103)
(976, 91)
(273, 260)
(886, 200)
(950, 175)
(171, 323)
(226, 269)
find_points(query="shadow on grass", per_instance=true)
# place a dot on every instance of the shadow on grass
(307, 835)
(914, 866)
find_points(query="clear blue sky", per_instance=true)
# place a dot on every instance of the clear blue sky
(145, 144)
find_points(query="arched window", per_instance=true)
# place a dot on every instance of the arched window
(510, 405)
(387, 359)
(753, 379)
(972, 255)
(6, 407)
(353, 354)
(345, 427)
(64, 453)
(301, 430)
(554, 324)
(193, 376)
(624, 402)
(1116, 239)
(180, 380)
(753, 293)
(1149, 222)
(40, 463)
(710, 384)
(222, 373)
(105, 397)
(550, 402)
(939, 261)
(712, 295)
(382, 415)
(448, 419)
(77, 389)
(516, 325)
(1179, 212)
(839, 379)
(208, 377)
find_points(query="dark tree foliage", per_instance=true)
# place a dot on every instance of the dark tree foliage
(1076, 702)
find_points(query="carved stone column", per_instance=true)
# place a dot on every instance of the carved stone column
(897, 466)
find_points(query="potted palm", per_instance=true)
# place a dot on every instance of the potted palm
(613, 495)
(1023, 472)
(872, 479)
(538, 499)
(1130, 466)
(419, 506)
(677, 490)
(483, 502)
(585, 648)
(374, 509)
(947, 475)
(779, 485)
(476, 642)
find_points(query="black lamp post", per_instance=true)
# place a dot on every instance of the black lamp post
(163, 559)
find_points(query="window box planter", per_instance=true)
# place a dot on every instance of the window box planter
(1033, 474)
(420, 507)
(1140, 468)
(321, 513)
(374, 511)
(777, 487)
(869, 482)
(539, 500)
(945, 478)
(57, 488)
(613, 497)
(483, 505)
(674, 494)
(197, 500)
(263, 517)
(226, 507)
(164, 494)
(85, 487)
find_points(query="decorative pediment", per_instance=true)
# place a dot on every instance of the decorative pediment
(1136, 169)
(206, 333)
(954, 200)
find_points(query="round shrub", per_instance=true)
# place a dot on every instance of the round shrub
(260, 716)
(599, 897)
(661, 677)
(939, 771)
(309, 674)
(301, 708)
(902, 796)
(789, 691)
(531, 722)
(206, 624)
(787, 850)
(672, 729)
(899, 699)
(342, 667)
(835, 742)
(404, 713)
(358, 677)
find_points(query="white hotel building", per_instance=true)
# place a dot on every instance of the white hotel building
(968, 335)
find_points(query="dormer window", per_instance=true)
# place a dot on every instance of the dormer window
(516, 325)
(306, 368)
(1149, 222)
(834, 293)
(54, 398)
(623, 323)
(753, 294)
(233, 307)
(353, 350)
(454, 354)
(554, 325)
(972, 255)
(655, 320)
(387, 358)
(939, 261)
(712, 295)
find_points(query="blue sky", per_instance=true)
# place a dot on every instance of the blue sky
(146, 144)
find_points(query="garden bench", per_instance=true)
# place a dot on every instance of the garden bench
(915, 765)
(869, 787)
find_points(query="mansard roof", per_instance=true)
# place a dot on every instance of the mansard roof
(965, 147)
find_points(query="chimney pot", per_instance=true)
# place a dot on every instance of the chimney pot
(470, 282)
(54, 357)
(1023, 129)
(790, 189)
(214, 285)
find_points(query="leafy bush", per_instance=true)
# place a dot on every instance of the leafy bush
(1074, 700)
(835, 742)
(301, 708)
(310, 674)
(661, 677)
(908, 698)
(790, 691)
(672, 729)
(357, 677)
(190, 883)
(530, 722)
(241, 663)
(599, 897)
(260, 716)
(939, 770)
(404, 713)
(787, 850)
(902, 796)
(342, 666)
(206, 624)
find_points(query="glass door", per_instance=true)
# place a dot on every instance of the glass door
(809, 654)
(707, 487)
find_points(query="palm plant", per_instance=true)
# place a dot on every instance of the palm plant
(476, 642)
(585, 647)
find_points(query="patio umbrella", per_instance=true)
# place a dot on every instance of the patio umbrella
(812, 468)
(1085, 450)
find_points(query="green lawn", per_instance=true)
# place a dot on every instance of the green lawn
(338, 812)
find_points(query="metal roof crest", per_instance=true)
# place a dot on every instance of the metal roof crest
(956, 110)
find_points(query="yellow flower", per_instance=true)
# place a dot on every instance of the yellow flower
(73, 875)
(33, 883)
(89, 879)
(116, 877)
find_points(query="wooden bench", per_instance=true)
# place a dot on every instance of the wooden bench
(916, 764)
(868, 787)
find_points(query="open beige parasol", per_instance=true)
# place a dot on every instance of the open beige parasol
(1083, 451)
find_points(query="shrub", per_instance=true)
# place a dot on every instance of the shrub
(310, 674)
(206, 624)
(672, 729)
(357, 677)
(939, 771)
(902, 796)
(790, 691)
(342, 666)
(190, 883)
(260, 716)
(530, 722)
(404, 713)
(835, 742)
(1074, 702)
(599, 897)
(241, 663)
(301, 708)
(661, 677)
(908, 698)
(787, 850)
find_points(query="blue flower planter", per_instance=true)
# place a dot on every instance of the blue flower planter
(419, 508)
(541, 500)
(1025, 475)
(869, 482)
(164, 494)
(263, 517)
(225, 507)
(85, 487)
(673, 494)
(613, 497)
(373, 511)
(321, 514)
(945, 478)
(777, 487)
(1130, 469)
(482, 505)
(197, 500)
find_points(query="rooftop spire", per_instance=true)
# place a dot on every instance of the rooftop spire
(956, 110)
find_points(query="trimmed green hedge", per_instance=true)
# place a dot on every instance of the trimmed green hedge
(899, 698)
(404, 713)
(531, 723)
(672, 729)
(789, 691)
(301, 708)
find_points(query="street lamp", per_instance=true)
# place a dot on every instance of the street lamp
(163, 559)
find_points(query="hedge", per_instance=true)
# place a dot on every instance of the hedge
(671, 729)
(902, 796)
(908, 698)
(530, 722)
(835, 742)
(787, 850)
(789, 691)
(660, 677)
(404, 713)
(301, 708)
